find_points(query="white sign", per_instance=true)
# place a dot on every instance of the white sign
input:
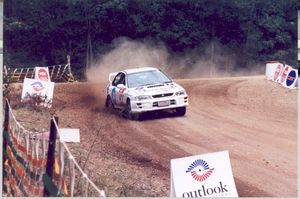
(69, 135)
(207, 175)
(42, 73)
(278, 72)
(270, 69)
(34, 87)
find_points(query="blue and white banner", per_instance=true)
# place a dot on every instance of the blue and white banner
(291, 79)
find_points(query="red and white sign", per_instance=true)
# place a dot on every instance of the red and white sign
(42, 73)
(284, 74)
(278, 72)
(207, 175)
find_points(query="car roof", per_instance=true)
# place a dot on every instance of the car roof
(136, 70)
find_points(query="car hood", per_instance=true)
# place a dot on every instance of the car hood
(155, 89)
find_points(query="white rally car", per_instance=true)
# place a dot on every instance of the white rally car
(139, 90)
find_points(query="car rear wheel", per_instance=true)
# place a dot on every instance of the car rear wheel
(180, 111)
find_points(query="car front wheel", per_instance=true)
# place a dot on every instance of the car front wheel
(129, 114)
(108, 103)
(180, 111)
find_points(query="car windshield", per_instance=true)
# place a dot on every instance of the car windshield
(146, 78)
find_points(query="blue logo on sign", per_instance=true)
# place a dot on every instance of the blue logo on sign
(291, 78)
(37, 86)
(200, 170)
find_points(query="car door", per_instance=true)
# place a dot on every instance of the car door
(117, 93)
(121, 90)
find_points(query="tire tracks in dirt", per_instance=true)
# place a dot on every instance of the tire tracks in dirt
(255, 120)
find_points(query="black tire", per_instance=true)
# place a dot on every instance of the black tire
(128, 114)
(180, 111)
(108, 103)
(128, 109)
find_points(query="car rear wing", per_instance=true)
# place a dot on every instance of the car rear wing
(111, 76)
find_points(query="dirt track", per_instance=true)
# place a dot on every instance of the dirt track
(254, 119)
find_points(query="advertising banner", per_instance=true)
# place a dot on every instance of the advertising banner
(42, 73)
(34, 87)
(207, 175)
(284, 74)
(278, 73)
(69, 135)
(270, 69)
(292, 79)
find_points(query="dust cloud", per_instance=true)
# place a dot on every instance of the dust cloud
(214, 61)
(127, 54)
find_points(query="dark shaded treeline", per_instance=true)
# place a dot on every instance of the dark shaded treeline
(43, 32)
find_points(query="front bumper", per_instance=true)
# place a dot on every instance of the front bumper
(159, 104)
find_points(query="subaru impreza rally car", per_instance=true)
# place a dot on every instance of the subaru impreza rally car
(140, 90)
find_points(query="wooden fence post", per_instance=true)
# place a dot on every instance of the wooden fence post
(5, 128)
(69, 63)
(51, 152)
(6, 115)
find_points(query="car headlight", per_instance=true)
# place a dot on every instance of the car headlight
(182, 92)
(143, 97)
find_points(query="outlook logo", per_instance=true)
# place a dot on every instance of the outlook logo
(200, 170)
(37, 86)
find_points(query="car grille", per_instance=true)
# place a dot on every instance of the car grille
(162, 95)
(172, 102)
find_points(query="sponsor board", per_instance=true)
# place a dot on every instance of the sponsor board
(207, 175)
(42, 73)
(270, 69)
(291, 79)
(69, 135)
(34, 87)
(277, 73)
(284, 74)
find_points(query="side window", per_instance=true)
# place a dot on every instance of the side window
(122, 79)
(117, 79)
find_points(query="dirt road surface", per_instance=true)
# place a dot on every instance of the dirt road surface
(254, 119)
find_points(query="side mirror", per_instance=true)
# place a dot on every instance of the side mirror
(121, 86)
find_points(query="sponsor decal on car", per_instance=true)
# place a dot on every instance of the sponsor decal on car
(122, 90)
(113, 94)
